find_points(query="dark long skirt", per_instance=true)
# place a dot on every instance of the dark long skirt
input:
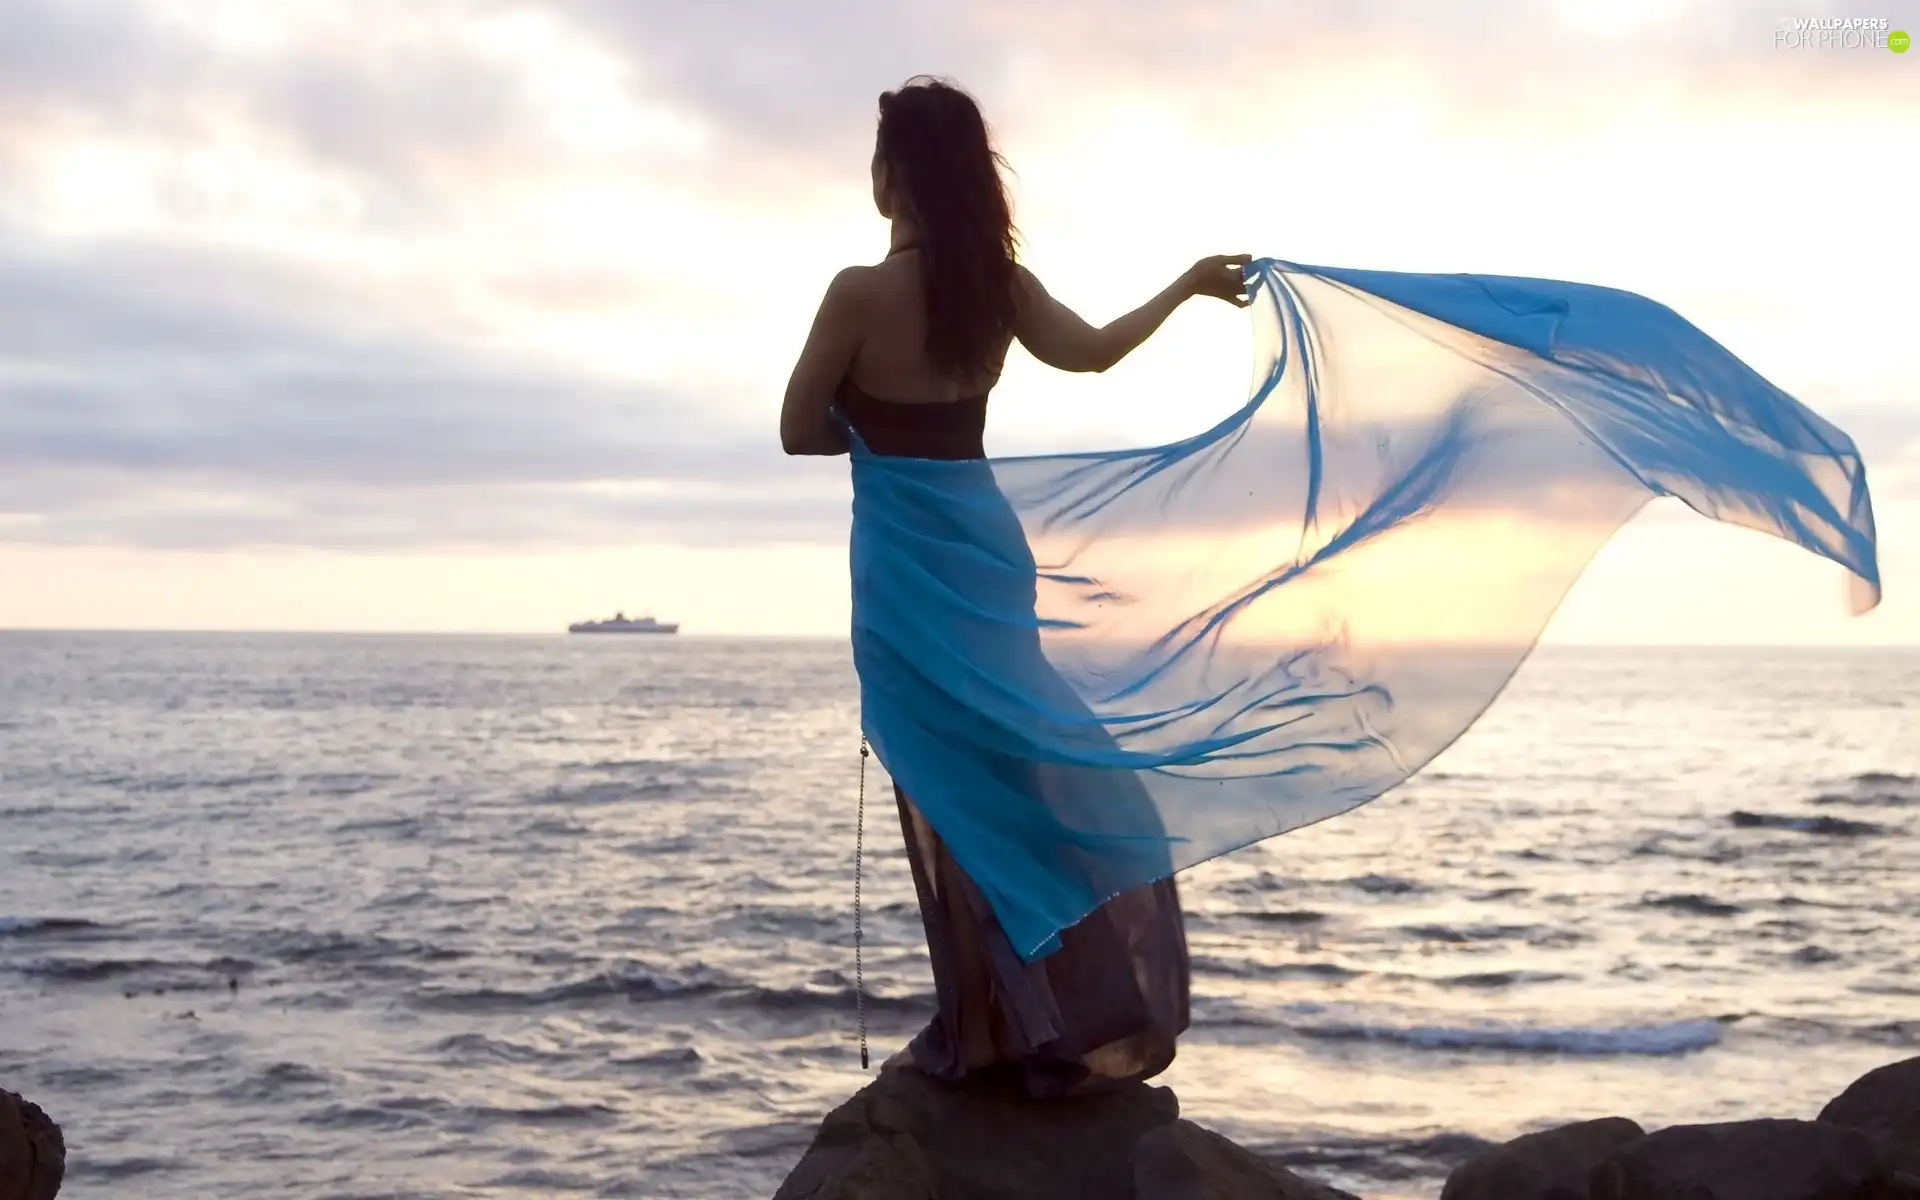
(1103, 1009)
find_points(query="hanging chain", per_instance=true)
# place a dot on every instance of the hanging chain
(859, 855)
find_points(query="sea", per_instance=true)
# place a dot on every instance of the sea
(447, 916)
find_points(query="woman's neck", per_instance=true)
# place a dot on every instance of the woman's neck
(904, 236)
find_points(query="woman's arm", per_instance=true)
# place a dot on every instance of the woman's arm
(838, 328)
(1056, 335)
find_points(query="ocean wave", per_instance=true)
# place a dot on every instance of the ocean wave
(811, 924)
(344, 783)
(1461, 934)
(194, 783)
(638, 984)
(783, 1139)
(390, 1116)
(1869, 800)
(561, 826)
(1665, 1039)
(83, 1077)
(401, 827)
(1881, 987)
(1386, 885)
(651, 766)
(1381, 1160)
(646, 984)
(542, 1180)
(1660, 845)
(807, 998)
(672, 1057)
(1265, 881)
(471, 1049)
(87, 1166)
(652, 848)
(306, 946)
(1502, 979)
(1505, 893)
(1242, 969)
(1792, 901)
(32, 926)
(1294, 916)
(1814, 1032)
(94, 970)
(592, 795)
(1825, 826)
(1813, 956)
(277, 1082)
(1874, 790)
(1693, 904)
(537, 1114)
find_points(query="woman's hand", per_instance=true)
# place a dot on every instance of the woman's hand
(1222, 276)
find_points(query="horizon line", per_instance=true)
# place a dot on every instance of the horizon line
(683, 633)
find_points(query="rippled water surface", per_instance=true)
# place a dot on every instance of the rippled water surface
(398, 917)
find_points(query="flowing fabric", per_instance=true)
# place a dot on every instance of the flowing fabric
(1104, 1009)
(1091, 671)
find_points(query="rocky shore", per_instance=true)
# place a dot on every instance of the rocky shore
(904, 1137)
(33, 1156)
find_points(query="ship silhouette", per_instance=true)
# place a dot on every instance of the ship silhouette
(620, 624)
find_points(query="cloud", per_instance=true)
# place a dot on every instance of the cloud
(191, 513)
(86, 54)
(423, 98)
(162, 395)
(168, 381)
(155, 396)
(794, 85)
(411, 107)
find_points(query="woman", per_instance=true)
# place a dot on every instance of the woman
(904, 354)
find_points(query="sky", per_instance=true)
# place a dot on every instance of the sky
(475, 316)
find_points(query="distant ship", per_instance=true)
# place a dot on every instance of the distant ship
(620, 624)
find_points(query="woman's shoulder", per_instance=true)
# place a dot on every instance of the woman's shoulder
(852, 295)
(895, 280)
(869, 280)
(898, 279)
(852, 280)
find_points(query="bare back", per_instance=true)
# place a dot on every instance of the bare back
(891, 363)
(869, 339)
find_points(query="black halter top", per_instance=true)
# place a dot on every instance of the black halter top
(941, 429)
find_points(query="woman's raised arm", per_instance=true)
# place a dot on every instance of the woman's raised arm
(1057, 336)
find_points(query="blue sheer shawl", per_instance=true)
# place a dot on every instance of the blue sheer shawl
(1090, 671)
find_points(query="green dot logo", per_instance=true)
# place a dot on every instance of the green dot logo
(1898, 41)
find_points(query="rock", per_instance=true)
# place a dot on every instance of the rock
(1181, 1161)
(851, 1159)
(908, 1137)
(1885, 1102)
(1550, 1165)
(1749, 1160)
(883, 1166)
(16, 1152)
(33, 1155)
(985, 1139)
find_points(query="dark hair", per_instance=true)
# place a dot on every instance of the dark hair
(946, 173)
